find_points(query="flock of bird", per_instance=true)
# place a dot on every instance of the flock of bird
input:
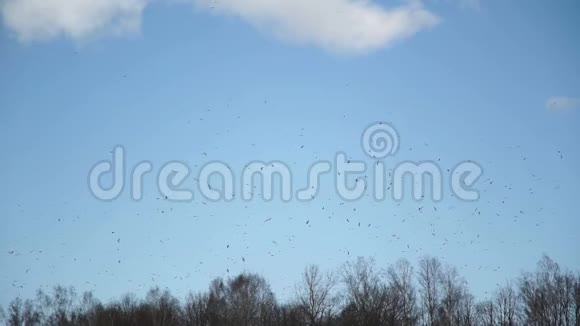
(449, 224)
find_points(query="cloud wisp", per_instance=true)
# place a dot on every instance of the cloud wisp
(41, 20)
(336, 25)
(351, 26)
(562, 103)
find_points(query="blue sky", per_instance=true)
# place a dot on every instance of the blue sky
(496, 82)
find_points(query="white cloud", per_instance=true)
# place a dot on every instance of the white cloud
(34, 20)
(562, 103)
(337, 25)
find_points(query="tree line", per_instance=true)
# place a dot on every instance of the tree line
(360, 293)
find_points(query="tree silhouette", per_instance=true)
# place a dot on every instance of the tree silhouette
(360, 294)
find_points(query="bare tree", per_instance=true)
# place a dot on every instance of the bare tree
(429, 275)
(30, 314)
(485, 312)
(366, 294)
(400, 278)
(245, 300)
(468, 315)
(88, 310)
(2, 314)
(127, 309)
(315, 295)
(507, 305)
(576, 301)
(452, 292)
(565, 292)
(289, 315)
(196, 310)
(540, 294)
(15, 313)
(163, 307)
(549, 296)
(63, 300)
